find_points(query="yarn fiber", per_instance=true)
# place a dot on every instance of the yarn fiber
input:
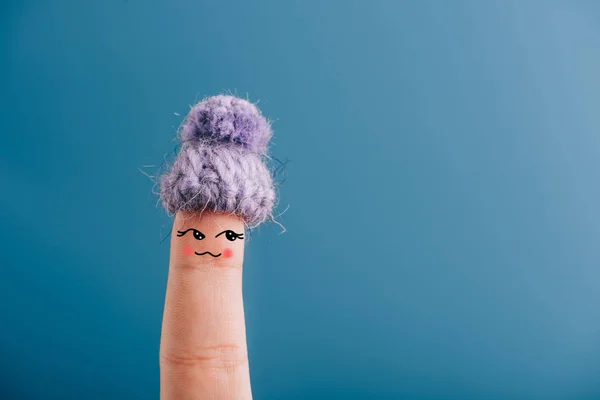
(228, 119)
(220, 165)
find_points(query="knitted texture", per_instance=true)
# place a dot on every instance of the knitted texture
(220, 165)
(228, 119)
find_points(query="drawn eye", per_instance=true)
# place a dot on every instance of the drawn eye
(197, 234)
(231, 235)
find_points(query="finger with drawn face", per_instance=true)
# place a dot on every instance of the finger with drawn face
(203, 345)
(217, 186)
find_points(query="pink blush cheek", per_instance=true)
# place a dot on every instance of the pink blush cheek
(188, 251)
(227, 253)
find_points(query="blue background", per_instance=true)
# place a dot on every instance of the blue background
(443, 184)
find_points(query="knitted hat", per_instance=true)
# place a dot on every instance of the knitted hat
(220, 164)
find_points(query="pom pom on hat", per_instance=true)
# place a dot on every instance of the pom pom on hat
(228, 119)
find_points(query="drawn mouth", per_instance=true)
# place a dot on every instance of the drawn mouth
(207, 252)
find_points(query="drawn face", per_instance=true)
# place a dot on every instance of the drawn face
(208, 238)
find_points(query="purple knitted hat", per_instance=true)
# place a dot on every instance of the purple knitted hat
(220, 165)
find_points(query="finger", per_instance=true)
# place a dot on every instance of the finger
(203, 352)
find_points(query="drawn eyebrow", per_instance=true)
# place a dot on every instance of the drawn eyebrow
(239, 235)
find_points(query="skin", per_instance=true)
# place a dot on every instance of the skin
(203, 352)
